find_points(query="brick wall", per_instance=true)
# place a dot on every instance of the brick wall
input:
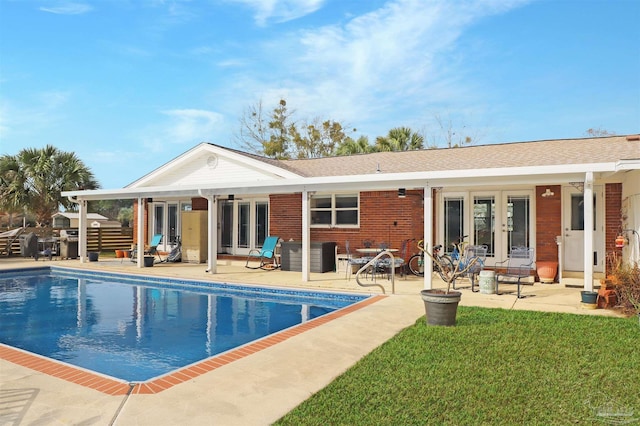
(383, 218)
(613, 216)
(548, 223)
(199, 203)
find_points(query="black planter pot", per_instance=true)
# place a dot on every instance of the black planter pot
(589, 297)
(440, 308)
(93, 256)
(148, 261)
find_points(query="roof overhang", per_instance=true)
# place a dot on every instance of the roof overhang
(381, 181)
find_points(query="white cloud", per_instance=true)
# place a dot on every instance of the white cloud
(68, 9)
(400, 59)
(281, 10)
(184, 127)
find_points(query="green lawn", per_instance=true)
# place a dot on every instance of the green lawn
(495, 367)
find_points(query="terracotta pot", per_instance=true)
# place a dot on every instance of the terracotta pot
(547, 271)
(119, 254)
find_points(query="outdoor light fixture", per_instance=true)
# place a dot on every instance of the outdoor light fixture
(547, 193)
(231, 197)
(402, 193)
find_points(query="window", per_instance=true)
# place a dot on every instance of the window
(335, 210)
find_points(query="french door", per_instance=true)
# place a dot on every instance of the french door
(498, 219)
(244, 225)
(166, 221)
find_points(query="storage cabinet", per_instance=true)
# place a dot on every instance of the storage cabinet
(194, 236)
(323, 256)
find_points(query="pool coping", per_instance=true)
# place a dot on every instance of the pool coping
(115, 387)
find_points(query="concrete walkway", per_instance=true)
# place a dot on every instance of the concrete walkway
(257, 389)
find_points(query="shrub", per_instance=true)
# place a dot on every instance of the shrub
(627, 279)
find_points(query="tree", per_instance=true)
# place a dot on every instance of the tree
(599, 132)
(282, 137)
(449, 137)
(318, 140)
(34, 179)
(254, 130)
(350, 146)
(113, 209)
(400, 139)
(278, 144)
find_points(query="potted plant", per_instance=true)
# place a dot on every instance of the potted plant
(547, 271)
(441, 306)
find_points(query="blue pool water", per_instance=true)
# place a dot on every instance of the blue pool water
(138, 328)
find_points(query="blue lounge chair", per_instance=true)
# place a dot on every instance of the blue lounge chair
(265, 256)
(152, 250)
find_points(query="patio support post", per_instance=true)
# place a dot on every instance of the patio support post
(212, 241)
(306, 237)
(140, 233)
(588, 231)
(428, 236)
(82, 230)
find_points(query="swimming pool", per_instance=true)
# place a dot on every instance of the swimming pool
(136, 328)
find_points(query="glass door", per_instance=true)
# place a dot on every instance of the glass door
(244, 225)
(226, 227)
(516, 224)
(498, 219)
(484, 223)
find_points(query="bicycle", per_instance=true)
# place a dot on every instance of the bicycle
(467, 260)
(441, 266)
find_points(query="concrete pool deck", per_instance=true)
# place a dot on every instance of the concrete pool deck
(261, 387)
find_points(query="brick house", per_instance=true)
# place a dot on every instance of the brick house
(516, 194)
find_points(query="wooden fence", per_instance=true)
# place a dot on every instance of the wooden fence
(98, 239)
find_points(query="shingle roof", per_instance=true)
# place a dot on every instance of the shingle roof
(515, 154)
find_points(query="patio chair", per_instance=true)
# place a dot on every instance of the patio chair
(518, 267)
(152, 250)
(353, 261)
(265, 256)
(343, 258)
(471, 252)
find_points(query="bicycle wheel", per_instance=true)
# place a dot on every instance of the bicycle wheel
(416, 265)
(447, 267)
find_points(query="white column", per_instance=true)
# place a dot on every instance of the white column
(588, 231)
(140, 233)
(428, 237)
(306, 237)
(212, 242)
(82, 231)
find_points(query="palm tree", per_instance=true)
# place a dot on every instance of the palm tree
(33, 180)
(400, 139)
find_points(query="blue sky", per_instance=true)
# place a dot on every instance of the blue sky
(130, 84)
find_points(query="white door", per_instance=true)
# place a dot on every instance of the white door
(244, 224)
(573, 226)
(498, 219)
